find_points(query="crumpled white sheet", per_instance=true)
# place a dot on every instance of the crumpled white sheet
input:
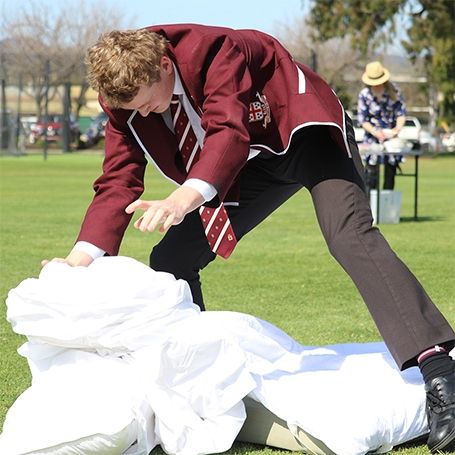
(184, 373)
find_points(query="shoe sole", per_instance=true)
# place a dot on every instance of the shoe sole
(446, 445)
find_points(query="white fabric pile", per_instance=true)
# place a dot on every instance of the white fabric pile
(122, 360)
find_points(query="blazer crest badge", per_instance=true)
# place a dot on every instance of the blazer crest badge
(260, 110)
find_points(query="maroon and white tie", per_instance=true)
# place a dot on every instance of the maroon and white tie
(218, 228)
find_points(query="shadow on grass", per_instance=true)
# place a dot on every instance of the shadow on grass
(414, 443)
(240, 448)
(244, 448)
(409, 219)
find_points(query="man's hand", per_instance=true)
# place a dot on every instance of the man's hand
(379, 135)
(74, 258)
(167, 212)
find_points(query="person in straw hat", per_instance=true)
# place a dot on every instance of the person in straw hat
(381, 111)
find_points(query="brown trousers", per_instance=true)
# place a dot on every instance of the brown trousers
(406, 317)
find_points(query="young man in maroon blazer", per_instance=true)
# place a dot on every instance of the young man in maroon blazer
(240, 126)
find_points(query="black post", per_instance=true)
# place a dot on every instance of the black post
(18, 119)
(46, 106)
(416, 185)
(3, 119)
(66, 117)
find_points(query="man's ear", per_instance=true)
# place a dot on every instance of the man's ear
(166, 65)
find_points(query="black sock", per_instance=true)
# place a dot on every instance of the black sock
(437, 364)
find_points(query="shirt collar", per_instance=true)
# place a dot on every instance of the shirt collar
(178, 86)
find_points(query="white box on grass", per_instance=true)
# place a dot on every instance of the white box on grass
(389, 206)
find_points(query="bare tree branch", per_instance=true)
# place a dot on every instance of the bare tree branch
(61, 35)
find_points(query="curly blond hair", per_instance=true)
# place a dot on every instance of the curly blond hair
(121, 61)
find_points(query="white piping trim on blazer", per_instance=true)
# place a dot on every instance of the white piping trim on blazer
(299, 127)
(302, 81)
(146, 153)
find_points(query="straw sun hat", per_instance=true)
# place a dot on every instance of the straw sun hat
(375, 74)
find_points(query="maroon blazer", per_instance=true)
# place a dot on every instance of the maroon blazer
(250, 94)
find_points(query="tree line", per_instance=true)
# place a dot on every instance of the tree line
(335, 35)
(424, 28)
(43, 48)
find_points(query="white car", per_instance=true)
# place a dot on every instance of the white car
(428, 142)
(411, 130)
(448, 142)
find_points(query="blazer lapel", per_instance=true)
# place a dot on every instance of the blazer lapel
(159, 145)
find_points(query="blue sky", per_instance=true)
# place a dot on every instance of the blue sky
(258, 14)
(264, 15)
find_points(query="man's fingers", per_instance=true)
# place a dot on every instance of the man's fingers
(138, 204)
(46, 261)
(157, 218)
(74, 259)
(145, 220)
(138, 222)
(156, 213)
(168, 222)
(150, 220)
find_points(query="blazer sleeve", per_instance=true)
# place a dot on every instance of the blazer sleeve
(121, 182)
(226, 91)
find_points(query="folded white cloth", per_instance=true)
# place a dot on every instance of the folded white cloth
(115, 305)
(180, 375)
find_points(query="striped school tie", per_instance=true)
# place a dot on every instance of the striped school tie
(218, 228)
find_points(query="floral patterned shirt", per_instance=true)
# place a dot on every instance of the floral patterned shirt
(381, 113)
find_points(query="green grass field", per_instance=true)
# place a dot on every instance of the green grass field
(281, 272)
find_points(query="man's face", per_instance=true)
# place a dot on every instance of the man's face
(156, 97)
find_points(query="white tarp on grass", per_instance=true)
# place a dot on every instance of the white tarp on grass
(119, 354)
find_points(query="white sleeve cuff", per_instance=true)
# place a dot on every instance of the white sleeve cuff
(93, 251)
(207, 190)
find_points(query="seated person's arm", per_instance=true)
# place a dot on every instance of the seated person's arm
(400, 123)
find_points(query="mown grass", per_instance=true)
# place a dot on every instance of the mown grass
(281, 272)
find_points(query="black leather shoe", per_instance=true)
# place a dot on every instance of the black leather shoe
(441, 413)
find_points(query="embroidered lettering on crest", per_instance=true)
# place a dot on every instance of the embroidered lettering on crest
(260, 110)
